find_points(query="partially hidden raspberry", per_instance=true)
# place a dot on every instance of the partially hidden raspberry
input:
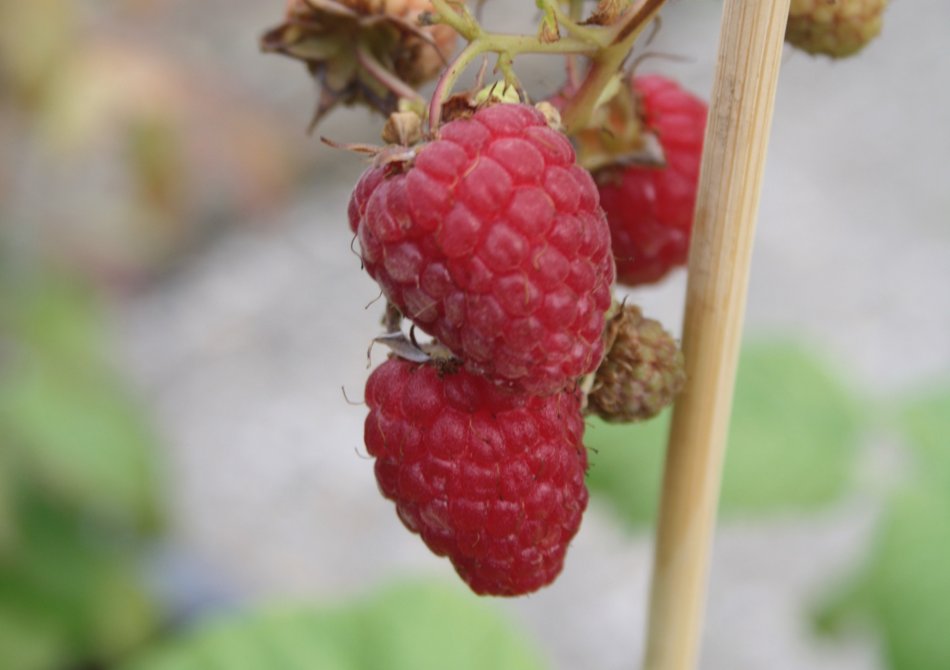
(490, 478)
(650, 208)
(642, 372)
(492, 240)
(835, 28)
(355, 49)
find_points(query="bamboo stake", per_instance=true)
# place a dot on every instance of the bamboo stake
(740, 116)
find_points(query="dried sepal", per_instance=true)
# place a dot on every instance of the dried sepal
(403, 128)
(371, 52)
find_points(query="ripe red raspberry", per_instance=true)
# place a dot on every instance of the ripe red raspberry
(650, 209)
(490, 478)
(492, 240)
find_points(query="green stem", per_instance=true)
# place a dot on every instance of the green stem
(576, 13)
(461, 22)
(606, 64)
(524, 44)
(507, 46)
(574, 28)
(506, 67)
(607, 47)
(577, 10)
(448, 78)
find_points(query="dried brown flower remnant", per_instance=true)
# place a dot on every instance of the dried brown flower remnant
(370, 52)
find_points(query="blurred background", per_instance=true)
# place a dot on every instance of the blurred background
(183, 482)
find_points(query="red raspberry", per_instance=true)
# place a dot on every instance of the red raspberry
(490, 478)
(492, 240)
(650, 210)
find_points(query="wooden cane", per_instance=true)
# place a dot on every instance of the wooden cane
(737, 133)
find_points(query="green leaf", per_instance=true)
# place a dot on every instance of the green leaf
(418, 627)
(909, 583)
(792, 441)
(408, 627)
(626, 465)
(926, 423)
(29, 643)
(903, 589)
(75, 588)
(794, 433)
(290, 640)
(843, 607)
(68, 420)
(8, 521)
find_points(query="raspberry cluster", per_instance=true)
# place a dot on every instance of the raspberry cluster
(490, 238)
(488, 231)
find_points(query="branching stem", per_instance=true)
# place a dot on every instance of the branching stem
(573, 28)
(607, 47)
(507, 46)
(607, 62)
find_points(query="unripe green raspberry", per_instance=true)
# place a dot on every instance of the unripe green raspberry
(642, 372)
(836, 28)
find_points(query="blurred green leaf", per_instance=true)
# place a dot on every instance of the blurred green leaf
(68, 419)
(626, 465)
(794, 432)
(415, 627)
(843, 607)
(909, 583)
(76, 485)
(791, 444)
(8, 522)
(75, 588)
(926, 423)
(28, 644)
(407, 627)
(903, 589)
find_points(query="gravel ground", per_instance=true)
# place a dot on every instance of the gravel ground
(243, 357)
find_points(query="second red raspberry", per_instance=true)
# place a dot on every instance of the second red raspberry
(650, 209)
(490, 478)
